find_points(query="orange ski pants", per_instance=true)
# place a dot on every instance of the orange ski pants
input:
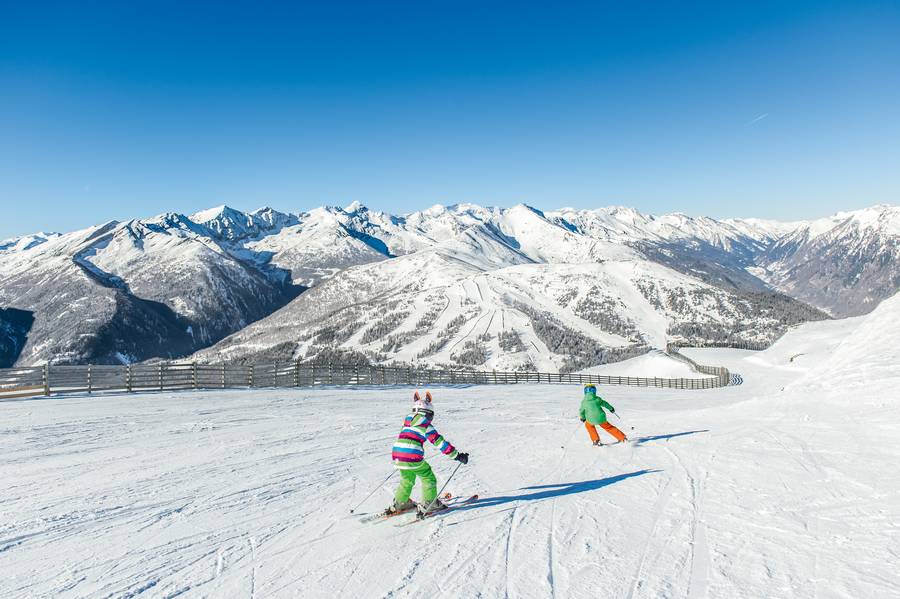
(611, 429)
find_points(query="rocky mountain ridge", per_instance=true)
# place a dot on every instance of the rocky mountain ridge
(170, 285)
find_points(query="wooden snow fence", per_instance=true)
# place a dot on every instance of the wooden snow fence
(53, 380)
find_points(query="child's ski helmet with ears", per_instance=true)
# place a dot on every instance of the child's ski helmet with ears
(423, 405)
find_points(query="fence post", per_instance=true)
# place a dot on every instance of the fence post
(128, 377)
(408, 375)
(297, 373)
(194, 374)
(223, 375)
(90, 377)
(159, 375)
(46, 377)
(252, 372)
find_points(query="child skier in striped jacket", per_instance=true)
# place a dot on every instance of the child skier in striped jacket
(409, 456)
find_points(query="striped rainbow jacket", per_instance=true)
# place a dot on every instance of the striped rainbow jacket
(408, 452)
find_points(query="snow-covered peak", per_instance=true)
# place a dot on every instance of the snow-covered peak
(430, 212)
(876, 220)
(216, 212)
(621, 224)
(169, 220)
(611, 223)
(269, 218)
(226, 223)
(26, 242)
(764, 230)
(525, 209)
(324, 214)
(627, 215)
(882, 218)
(354, 207)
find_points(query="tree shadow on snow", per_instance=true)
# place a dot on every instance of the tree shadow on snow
(641, 440)
(554, 490)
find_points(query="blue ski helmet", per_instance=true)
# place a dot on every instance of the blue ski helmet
(590, 389)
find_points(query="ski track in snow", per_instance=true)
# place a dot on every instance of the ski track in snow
(733, 492)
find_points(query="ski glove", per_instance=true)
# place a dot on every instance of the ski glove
(462, 457)
(582, 419)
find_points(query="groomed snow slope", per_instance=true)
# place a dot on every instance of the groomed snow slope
(746, 491)
(654, 363)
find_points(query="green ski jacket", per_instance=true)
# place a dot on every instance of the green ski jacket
(592, 408)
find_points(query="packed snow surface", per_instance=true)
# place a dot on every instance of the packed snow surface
(654, 363)
(785, 486)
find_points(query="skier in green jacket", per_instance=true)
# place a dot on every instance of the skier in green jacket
(591, 414)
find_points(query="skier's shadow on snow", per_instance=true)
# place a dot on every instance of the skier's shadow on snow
(641, 440)
(554, 490)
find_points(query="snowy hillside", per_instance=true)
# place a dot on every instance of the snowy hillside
(655, 363)
(784, 486)
(866, 359)
(479, 300)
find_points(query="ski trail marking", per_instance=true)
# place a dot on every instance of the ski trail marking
(253, 568)
(350, 576)
(658, 508)
(490, 322)
(509, 535)
(470, 331)
(699, 564)
(550, 555)
(478, 288)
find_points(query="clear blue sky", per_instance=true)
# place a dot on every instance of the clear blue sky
(120, 109)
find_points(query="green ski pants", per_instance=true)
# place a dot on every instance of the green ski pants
(408, 481)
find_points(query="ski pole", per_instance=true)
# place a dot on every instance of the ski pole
(620, 419)
(428, 507)
(393, 472)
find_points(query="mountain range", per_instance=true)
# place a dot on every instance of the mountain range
(464, 284)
